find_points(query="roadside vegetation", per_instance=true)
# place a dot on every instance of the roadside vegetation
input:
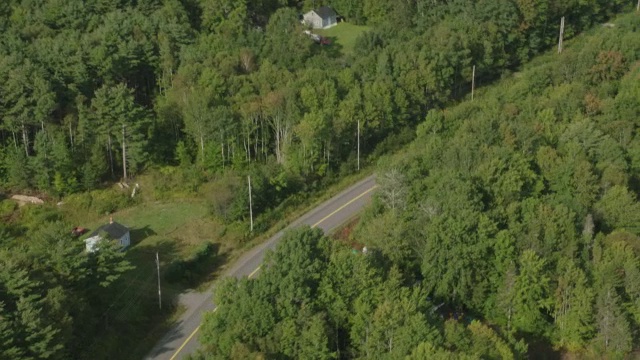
(189, 97)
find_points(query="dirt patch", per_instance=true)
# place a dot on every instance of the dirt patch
(343, 234)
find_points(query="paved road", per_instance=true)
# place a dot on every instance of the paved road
(182, 339)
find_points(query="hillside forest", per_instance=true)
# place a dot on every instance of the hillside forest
(508, 229)
(518, 210)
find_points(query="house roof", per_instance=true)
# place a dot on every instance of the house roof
(114, 229)
(325, 12)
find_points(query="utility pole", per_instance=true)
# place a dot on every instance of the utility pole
(250, 205)
(358, 145)
(473, 81)
(561, 35)
(159, 293)
(124, 154)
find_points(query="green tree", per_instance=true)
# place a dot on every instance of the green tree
(614, 331)
(8, 347)
(225, 17)
(305, 336)
(28, 100)
(348, 276)
(618, 209)
(35, 335)
(95, 168)
(426, 350)
(487, 344)
(573, 307)
(121, 125)
(285, 43)
(534, 15)
(42, 162)
(239, 302)
(394, 323)
(531, 298)
(295, 269)
(107, 265)
(18, 174)
(198, 119)
(352, 10)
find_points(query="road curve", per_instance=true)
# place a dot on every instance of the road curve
(182, 339)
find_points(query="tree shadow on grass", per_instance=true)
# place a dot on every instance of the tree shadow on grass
(139, 234)
(332, 50)
(198, 268)
(145, 322)
(135, 310)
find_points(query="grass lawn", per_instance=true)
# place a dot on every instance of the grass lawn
(174, 229)
(344, 34)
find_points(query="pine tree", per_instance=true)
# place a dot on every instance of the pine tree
(573, 307)
(8, 347)
(614, 331)
(95, 167)
(18, 174)
(531, 300)
(42, 162)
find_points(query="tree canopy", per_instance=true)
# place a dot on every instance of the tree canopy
(508, 228)
(236, 84)
(518, 209)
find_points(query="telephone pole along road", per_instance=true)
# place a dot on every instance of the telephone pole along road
(182, 339)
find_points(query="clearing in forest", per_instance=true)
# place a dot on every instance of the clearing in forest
(344, 34)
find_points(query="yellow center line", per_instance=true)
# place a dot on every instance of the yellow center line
(188, 339)
(258, 268)
(344, 206)
(254, 272)
(185, 342)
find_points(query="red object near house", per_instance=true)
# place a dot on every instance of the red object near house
(325, 41)
(77, 231)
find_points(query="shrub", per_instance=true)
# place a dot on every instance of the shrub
(7, 207)
(80, 201)
(33, 216)
(393, 142)
(108, 201)
(227, 197)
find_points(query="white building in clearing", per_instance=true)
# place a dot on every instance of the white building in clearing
(321, 18)
(112, 231)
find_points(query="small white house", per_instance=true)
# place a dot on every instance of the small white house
(114, 231)
(321, 18)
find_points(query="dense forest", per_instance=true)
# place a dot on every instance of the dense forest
(95, 91)
(540, 176)
(509, 228)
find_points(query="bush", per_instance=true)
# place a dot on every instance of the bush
(227, 198)
(80, 201)
(7, 207)
(393, 142)
(169, 181)
(237, 233)
(33, 216)
(108, 201)
(99, 201)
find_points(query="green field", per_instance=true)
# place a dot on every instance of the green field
(344, 34)
(174, 229)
